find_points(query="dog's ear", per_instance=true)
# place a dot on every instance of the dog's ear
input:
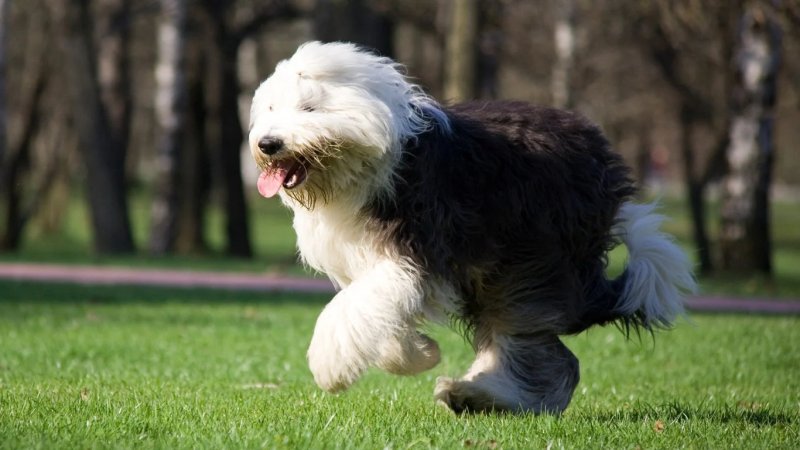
(310, 92)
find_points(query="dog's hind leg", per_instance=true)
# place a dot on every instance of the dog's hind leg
(519, 373)
(408, 354)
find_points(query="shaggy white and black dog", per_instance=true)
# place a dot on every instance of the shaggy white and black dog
(494, 215)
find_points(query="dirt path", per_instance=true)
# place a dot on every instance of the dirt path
(102, 275)
(98, 275)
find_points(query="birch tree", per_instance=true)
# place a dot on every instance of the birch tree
(461, 50)
(744, 239)
(170, 94)
(564, 39)
(675, 35)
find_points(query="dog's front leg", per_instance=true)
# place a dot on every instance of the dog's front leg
(371, 322)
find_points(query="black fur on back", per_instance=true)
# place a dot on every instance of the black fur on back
(514, 207)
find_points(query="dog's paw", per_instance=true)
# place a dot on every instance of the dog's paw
(330, 367)
(410, 355)
(464, 396)
(334, 359)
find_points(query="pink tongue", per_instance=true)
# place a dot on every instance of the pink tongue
(270, 182)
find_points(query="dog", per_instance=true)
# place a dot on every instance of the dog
(492, 216)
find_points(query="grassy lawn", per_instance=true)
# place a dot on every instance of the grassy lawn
(271, 233)
(85, 367)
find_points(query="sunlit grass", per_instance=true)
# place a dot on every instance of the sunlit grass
(84, 367)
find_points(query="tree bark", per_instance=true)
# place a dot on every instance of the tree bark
(564, 39)
(695, 190)
(461, 50)
(697, 108)
(353, 21)
(643, 164)
(17, 164)
(3, 98)
(170, 111)
(231, 135)
(227, 39)
(224, 87)
(112, 39)
(195, 166)
(21, 194)
(100, 136)
(745, 244)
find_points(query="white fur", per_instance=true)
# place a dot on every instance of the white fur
(371, 322)
(357, 97)
(659, 272)
(337, 93)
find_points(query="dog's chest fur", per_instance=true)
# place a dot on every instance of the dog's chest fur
(333, 240)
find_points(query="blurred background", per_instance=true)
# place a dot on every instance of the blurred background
(122, 122)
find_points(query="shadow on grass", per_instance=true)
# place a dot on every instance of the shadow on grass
(750, 413)
(60, 293)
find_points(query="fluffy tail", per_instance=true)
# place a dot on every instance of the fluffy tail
(658, 274)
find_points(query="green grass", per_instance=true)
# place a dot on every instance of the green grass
(69, 241)
(98, 367)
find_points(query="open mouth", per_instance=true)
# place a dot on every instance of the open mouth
(287, 173)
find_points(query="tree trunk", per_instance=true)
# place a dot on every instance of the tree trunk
(461, 50)
(237, 226)
(744, 234)
(564, 39)
(696, 109)
(489, 62)
(694, 189)
(227, 40)
(170, 111)
(353, 21)
(3, 99)
(226, 133)
(20, 193)
(17, 164)
(112, 38)
(644, 165)
(102, 145)
(195, 166)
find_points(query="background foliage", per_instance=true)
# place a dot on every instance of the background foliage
(122, 101)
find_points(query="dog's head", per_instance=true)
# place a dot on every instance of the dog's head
(330, 122)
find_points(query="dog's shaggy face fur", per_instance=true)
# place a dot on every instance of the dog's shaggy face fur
(331, 105)
(496, 215)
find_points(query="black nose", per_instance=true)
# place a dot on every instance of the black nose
(270, 145)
